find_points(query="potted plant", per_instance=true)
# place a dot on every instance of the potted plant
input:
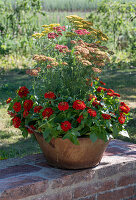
(69, 110)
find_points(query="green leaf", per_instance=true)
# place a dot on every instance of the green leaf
(93, 137)
(46, 133)
(24, 132)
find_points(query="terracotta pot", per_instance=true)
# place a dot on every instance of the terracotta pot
(64, 154)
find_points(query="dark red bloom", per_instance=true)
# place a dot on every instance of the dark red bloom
(79, 105)
(47, 112)
(49, 95)
(17, 106)
(110, 94)
(110, 90)
(28, 104)
(121, 120)
(92, 112)
(124, 109)
(79, 119)
(25, 113)
(8, 100)
(63, 106)
(102, 83)
(37, 109)
(124, 105)
(116, 94)
(16, 122)
(106, 116)
(31, 130)
(23, 91)
(65, 126)
(99, 89)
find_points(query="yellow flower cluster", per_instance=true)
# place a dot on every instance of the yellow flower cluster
(47, 29)
(80, 23)
(89, 54)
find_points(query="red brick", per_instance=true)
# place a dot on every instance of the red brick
(77, 177)
(118, 194)
(61, 196)
(108, 171)
(17, 170)
(25, 191)
(126, 180)
(94, 188)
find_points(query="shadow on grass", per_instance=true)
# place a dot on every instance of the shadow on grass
(19, 149)
(123, 82)
(10, 81)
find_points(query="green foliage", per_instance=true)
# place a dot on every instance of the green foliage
(117, 19)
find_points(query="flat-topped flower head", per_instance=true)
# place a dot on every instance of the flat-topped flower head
(23, 91)
(63, 106)
(49, 95)
(79, 105)
(28, 104)
(17, 106)
(65, 126)
(47, 112)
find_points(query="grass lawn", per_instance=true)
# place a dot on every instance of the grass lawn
(12, 143)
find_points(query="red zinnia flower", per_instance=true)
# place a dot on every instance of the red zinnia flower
(126, 107)
(25, 113)
(106, 116)
(28, 104)
(37, 109)
(31, 131)
(16, 122)
(121, 120)
(49, 95)
(92, 112)
(110, 94)
(79, 105)
(63, 106)
(23, 91)
(116, 94)
(99, 89)
(47, 112)
(110, 90)
(65, 126)
(8, 100)
(102, 83)
(79, 119)
(17, 106)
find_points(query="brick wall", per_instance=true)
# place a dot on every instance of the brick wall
(30, 178)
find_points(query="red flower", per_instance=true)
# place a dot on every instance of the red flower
(47, 112)
(124, 109)
(106, 116)
(25, 113)
(79, 119)
(110, 94)
(30, 130)
(63, 106)
(49, 95)
(16, 122)
(92, 112)
(116, 94)
(17, 106)
(8, 100)
(65, 126)
(121, 120)
(99, 89)
(37, 109)
(110, 90)
(28, 104)
(79, 105)
(23, 91)
(102, 83)
(123, 104)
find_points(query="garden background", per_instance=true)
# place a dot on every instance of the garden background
(19, 19)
